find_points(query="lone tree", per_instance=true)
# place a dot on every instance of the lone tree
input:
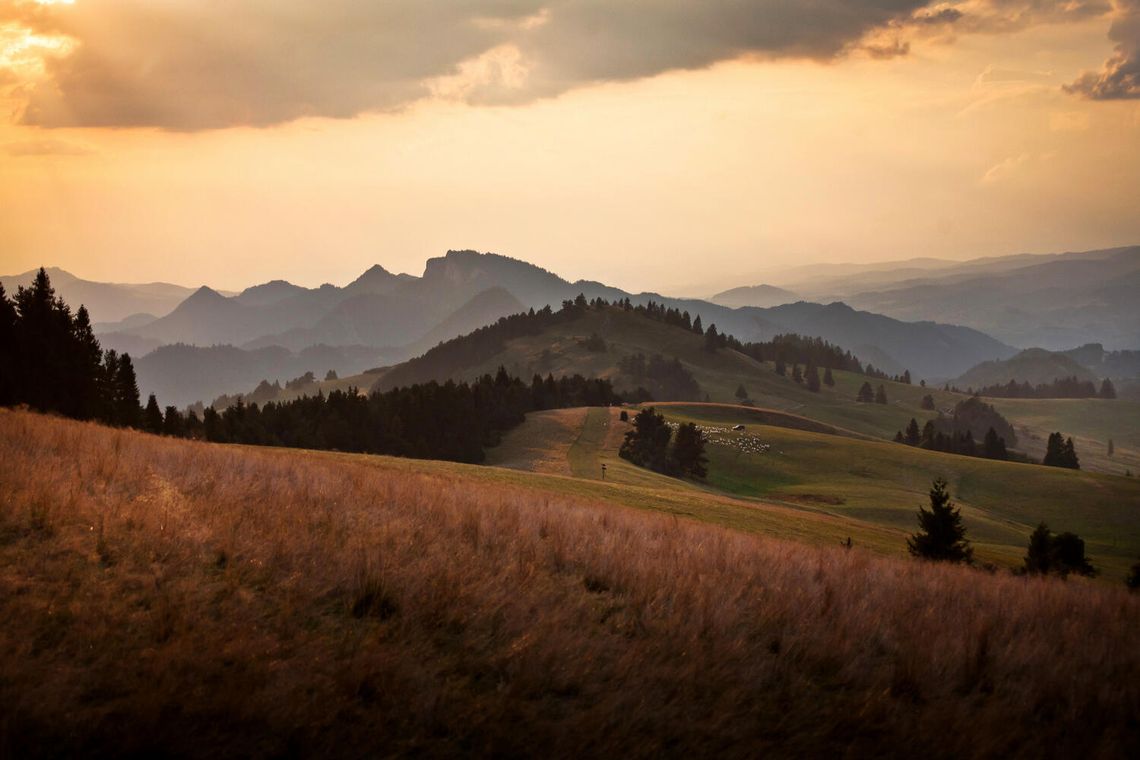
(866, 393)
(1107, 389)
(712, 338)
(828, 380)
(928, 402)
(697, 327)
(913, 436)
(797, 376)
(741, 392)
(881, 395)
(941, 535)
(781, 368)
(152, 416)
(687, 459)
(1060, 554)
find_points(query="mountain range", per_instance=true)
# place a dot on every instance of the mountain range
(927, 316)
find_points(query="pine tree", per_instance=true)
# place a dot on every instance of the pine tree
(866, 393)
(913, 436)
(1054, 451)
(928, 402)
(1039, 556)
(697, 328)
(712, 338)
(1069, 455)
(828, 380)
(647, 444)
(126, 393)
(941, 534)
(881, 395)
(152, 416)
(993, 447)
(688, 453)
(797, 376)
(781, 368)
(812, 378)
(741, 392)
(905, 377)
(1107, 389)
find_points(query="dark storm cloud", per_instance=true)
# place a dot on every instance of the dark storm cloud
(1120, 77)
(203, 64)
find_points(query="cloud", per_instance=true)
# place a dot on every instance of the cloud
(45, 147)
(1119, 79)
(1004, 169)
(192, 65)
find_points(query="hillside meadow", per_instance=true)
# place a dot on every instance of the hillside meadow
(172, 597)
(845, 481)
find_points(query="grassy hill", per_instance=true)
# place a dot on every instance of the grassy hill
(561, 349)
(869, 488)
(171, 597)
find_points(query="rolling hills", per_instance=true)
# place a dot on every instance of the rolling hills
(176, 597)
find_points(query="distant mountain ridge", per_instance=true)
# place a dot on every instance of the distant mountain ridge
(755, 295)
(106, 301)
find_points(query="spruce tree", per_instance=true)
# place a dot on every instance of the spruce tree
(741, 392)
(993, 447)
(828, 380)
(941, 535)
(688, 453)
(152, 416)
(797, 376)
(781, 368)
(126, 393)
(712, 338)
(1107, 389)
(913, 436)
(928, 402)
(1039, 556)
(697, 328)
(881, 395)
(866, 393)
(812, 378)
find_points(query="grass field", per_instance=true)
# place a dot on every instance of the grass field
(874, 487)
(177, 598)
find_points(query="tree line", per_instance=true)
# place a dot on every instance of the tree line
(1063, 387)
(51, 361)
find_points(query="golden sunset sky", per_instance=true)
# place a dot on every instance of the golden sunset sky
(663, 144)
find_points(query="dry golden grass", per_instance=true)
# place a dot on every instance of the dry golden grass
(194, 599)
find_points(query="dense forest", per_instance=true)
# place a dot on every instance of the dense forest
(51, 361)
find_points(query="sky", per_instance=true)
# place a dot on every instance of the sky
(659, 145)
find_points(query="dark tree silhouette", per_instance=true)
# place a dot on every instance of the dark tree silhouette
(1107, 389)
(881, 395)
(797, 376)
(152, 416)
(1060, 452)
(688, 454)
(712, 339)
(1059, 554)
(781, 368)
(941, 535)
(741, 392)
(647, 444)
(993, 447)
(828, 380)
(928, 402)
(697, 328)
(812, 378)
(866, 393)
(913, 436)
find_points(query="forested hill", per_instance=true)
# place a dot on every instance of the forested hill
(602, 339)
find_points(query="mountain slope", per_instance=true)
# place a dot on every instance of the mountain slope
(106, 301)
(754, 295)
(1057, 304)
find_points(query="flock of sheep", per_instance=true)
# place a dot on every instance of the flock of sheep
(722, 436)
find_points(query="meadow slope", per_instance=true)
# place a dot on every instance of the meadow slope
(174, 597)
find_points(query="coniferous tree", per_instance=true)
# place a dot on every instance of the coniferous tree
(797, 376)
(741, 392)
(928, 402)
(697, 328)
(812, 378)
(712, 338)
(688, 453)
(8, 350)
(866, 393)
(647, 444)
(1133, 579)
(905, 377)
(126, 393)
(941, 535)
(1107, 389)
(913, 436)
(1111, 447)
(1039, 555)
(152, 416)
(173, 423)
(828, 379)
(993, 447)
(881, 395)
(781, 368)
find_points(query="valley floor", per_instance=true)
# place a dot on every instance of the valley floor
(180, 598)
